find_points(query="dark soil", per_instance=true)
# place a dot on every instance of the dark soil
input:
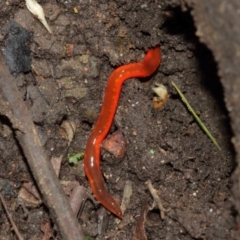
(167, 146)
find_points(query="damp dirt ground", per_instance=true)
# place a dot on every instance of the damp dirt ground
(165, 146)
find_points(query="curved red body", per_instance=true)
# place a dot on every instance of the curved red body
(93, 172)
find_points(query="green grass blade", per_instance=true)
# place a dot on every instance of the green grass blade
(201, 124)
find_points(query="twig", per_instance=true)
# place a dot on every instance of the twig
(156, 199)
(140, 233)
(202, 125)
(10, 218)
(12, 106)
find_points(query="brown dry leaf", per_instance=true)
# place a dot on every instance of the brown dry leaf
(67, 130)
(140, 233)
(115, 144)
(56, 163)
(29, 199)
(46, 229)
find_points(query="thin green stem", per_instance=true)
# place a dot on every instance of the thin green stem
(201, 124)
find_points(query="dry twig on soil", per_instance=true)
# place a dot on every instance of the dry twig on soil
(157, 199)
(10, 218)
(140, 233)
(12, 106)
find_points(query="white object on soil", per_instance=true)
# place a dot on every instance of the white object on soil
(38, 12)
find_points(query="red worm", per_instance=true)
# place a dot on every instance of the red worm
(144, 68)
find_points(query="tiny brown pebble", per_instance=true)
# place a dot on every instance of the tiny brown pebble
(115, 144)
(69, 50)
(134, 133)
(75, 10)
